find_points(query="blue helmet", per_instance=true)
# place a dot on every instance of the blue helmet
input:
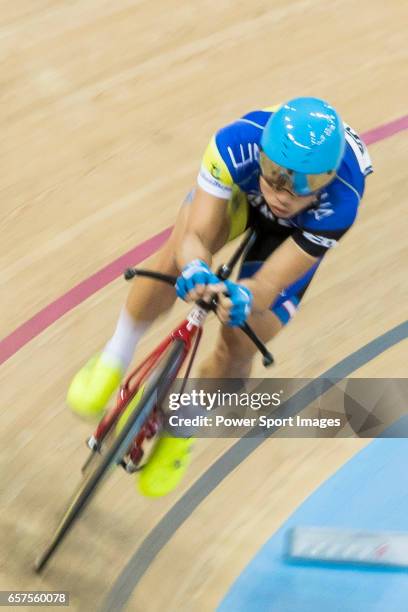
(303, 142)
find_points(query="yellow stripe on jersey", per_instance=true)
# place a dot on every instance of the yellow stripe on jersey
(215, 165)
(238, 213)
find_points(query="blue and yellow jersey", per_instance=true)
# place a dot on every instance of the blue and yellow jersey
(232, 158)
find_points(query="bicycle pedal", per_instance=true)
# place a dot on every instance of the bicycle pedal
(93, 444)
(130, 467)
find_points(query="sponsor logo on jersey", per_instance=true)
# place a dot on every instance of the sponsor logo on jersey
(207, 177)
(211, 185)
(328, 243)
(322, 211)
(246, 157)
(215, 171)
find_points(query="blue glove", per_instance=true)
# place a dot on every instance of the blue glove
(241, 298)
(195, 273)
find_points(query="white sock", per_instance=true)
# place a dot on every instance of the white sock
(122, 345)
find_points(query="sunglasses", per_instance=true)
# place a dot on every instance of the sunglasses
(278, 177)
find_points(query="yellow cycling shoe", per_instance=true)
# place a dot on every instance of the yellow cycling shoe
(92, 387)
(166, 466)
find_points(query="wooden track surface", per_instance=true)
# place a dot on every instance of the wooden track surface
(106, 109)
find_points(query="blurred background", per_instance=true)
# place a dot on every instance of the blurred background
(105, 111)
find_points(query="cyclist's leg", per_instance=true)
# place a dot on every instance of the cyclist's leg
(148, 299)
(95, 382)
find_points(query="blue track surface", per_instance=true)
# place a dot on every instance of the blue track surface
(369, 492)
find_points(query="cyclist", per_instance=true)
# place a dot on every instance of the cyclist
(297, 174)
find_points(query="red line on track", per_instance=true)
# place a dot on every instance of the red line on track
(78, 294)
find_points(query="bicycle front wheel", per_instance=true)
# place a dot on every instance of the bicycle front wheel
(155, 390)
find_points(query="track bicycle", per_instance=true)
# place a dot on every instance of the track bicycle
(137, 416)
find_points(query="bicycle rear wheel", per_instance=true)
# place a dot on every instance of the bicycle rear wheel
(156, 388)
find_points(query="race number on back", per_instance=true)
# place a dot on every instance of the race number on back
(359, 150)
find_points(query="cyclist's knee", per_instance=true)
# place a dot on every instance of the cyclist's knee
(232, 357)
(165, 259)
(233, 343)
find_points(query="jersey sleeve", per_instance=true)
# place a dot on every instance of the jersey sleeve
(316, 243)
(214, 176)
(232, 155)
(320, 228)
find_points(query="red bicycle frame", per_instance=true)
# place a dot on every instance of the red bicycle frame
(189, 330)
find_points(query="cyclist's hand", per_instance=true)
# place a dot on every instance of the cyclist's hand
(194, 280)
(233, 309)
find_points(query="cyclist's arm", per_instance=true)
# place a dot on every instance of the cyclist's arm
(206, 231)
(288, 263)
